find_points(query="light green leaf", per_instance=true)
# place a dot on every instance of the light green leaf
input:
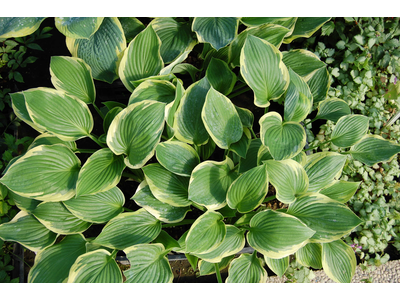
(78, 27)
(220, 76)
(288, 177)
(95, 267)
(221, 119)
(263, 70)
(49, 139)
(101, 172)
(372, 149)
(339, 261)
(136, 131)
(310, 255)
(247, 268)
(248, 191)
(349, 130)
(341, 190)
(332, 109)
(97, 208)
(102, 51)
(329, 218)
(207, 268)
(306, 27)
(141, 59)
(158, 90)
(303, 62)
(11, 27)
(148, 264)
(210, 181)
(52, 264)
(206, 233)
(73, 76)
(319, 82)
(47, 173)
(28, 231)
(278, 266)
(218, 31)
(128, 229)
(171, 108)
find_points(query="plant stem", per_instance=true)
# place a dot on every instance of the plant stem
(218, 272)
(96, 140)
(133, 176)
(237, 93)
(128, 209)
(184, 222)
(98, 110)
(311, 148)
(253, 133)
(305, 124)
(199, 207)
(239, 86)
(85, 151)
(114, 253)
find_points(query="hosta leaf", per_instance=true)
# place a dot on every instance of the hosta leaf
(349, 130)
(141, 59)
(263, 70)
(128, 229)
(97, 208)
(332, 109)
(233, 242)
(49, 139)
(47, 173)
(246, 116)
(11, 27)
(169, 242)
(166, 186)
(177, 157)
(162, 211)
(319, 82)
(247, 268)
(132, 26)
(73, 76)
(67, 118)
(248, 191)
(276, 234)
(148, 264)
(278, 266)
(306, 27)
(283, 139)
(257, 21)
(263, 155)
(170, 69)
(339, 261)
(52, 264)
(206, 233)
(102, 51)
(78, 27)
(188, 124)
(112, 113)
(289, 179)
(303, 62)
(218, 31)
(241, 146)
(28, 231)
(23, 203)
(158, 90)
(372, 149)
(323, 168)
(210, 181)
(251, 156)
(221, 119)
(329, 218)
(171, 107)
(220, 76)
(341, 190)
(310, 255)
(136, 131)
(101, 172)
(95, 267)
(207, 268)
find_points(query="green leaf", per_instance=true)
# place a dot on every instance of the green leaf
(284, 139)
(328, 28)
(52, 264)
(341, 190)
(58, 219)
(78, 27)
(339, 261)
(101, 172)
(66, 117)
(141, 59)
(11, 27)
(329, 219)
(111, 114)
(47, 173)
(349, 130)
(278, 266)
(210, 181)
(128, 229)
(289, 179)
(246, 116)
(95, 267)
(162, 211)
(250, 161)
(166, 186)
(102, 51)
(319, 82)
(28, 231)
(207, 268)
(23, 203)
(49, 139)
(263, 70)
(136, 131)
(372, 149)
(218, 31)
(132, 26)
(206, 233)
(247, 268)
(221, 119)
(169, 242)
(306, 27)
(97, 208)
(73, 76)
(248, 191)
(177, 157)
(303, 62)
(241, 146)
(332, 109)
(323, 168)
(157, 90)
(276, 234)
(148, 264)
(310, 256)
(220, 76)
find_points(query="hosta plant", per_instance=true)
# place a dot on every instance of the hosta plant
(190, 143)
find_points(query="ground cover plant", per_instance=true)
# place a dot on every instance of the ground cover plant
(193, 147)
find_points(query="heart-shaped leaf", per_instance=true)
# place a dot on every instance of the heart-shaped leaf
(310, 255)
(339, 261)
(247, 268)
(278, 266)
(349, 130)
(78, 27)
